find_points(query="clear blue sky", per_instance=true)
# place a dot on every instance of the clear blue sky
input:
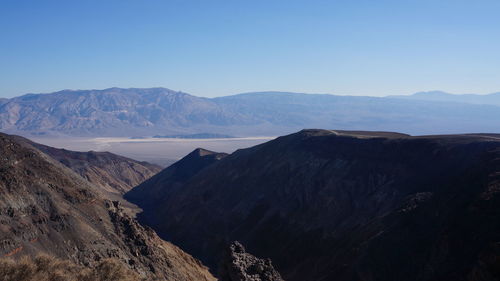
(214, 48)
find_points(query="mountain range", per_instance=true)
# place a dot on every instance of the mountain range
(339, 205)
(158, 111)
(489, 99)
(315, 205)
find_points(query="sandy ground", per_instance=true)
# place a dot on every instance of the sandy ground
(154, 150)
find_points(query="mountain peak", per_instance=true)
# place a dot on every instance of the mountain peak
(151, 190)
(201, 152)
(199, 158)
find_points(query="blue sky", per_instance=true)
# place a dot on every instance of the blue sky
(214, 48)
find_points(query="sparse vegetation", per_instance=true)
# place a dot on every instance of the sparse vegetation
(45, 268)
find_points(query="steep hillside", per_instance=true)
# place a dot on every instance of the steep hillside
(47, 208)
(335, 205)
(111, 172)
(152, 192)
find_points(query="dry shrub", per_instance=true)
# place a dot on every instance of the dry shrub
(45, 268)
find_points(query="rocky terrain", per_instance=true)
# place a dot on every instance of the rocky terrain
(238, 265)
(112, 173)
(159, 111)
(46, 268)
(47, 208)
(338, 205)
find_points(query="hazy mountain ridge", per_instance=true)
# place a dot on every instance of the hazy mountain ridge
(488, 99)
(47, 208)
(112, 111)
(333, 205)
(158, 111)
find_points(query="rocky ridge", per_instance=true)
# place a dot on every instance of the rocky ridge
(46, 208)
(345, 205)
(112, 173)
(238, 265)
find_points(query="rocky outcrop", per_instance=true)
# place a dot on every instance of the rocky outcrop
(46, 208)
(336, 205)
(238, 265)
(146, 248)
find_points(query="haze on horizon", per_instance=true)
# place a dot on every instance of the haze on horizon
(218, 48)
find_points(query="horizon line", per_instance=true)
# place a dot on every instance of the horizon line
(257, 92)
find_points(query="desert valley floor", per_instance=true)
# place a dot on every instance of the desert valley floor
(161, 151)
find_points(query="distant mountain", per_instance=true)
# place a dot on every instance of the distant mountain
(159, 111)
(46, 208)
(294, 110)
(340, 205)
(490, 99)
(111, 112)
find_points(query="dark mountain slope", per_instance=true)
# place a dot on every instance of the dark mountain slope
(47, 208)
(332, 205)
(152, 192)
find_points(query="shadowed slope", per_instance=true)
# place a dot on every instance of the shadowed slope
(152, 192)
(336, 205)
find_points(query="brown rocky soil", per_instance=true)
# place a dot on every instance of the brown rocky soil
(47, 208)
(113, 173)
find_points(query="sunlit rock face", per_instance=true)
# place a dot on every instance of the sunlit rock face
(47, 208)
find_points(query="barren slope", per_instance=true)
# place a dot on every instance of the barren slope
(47, 208)
(337, 205)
